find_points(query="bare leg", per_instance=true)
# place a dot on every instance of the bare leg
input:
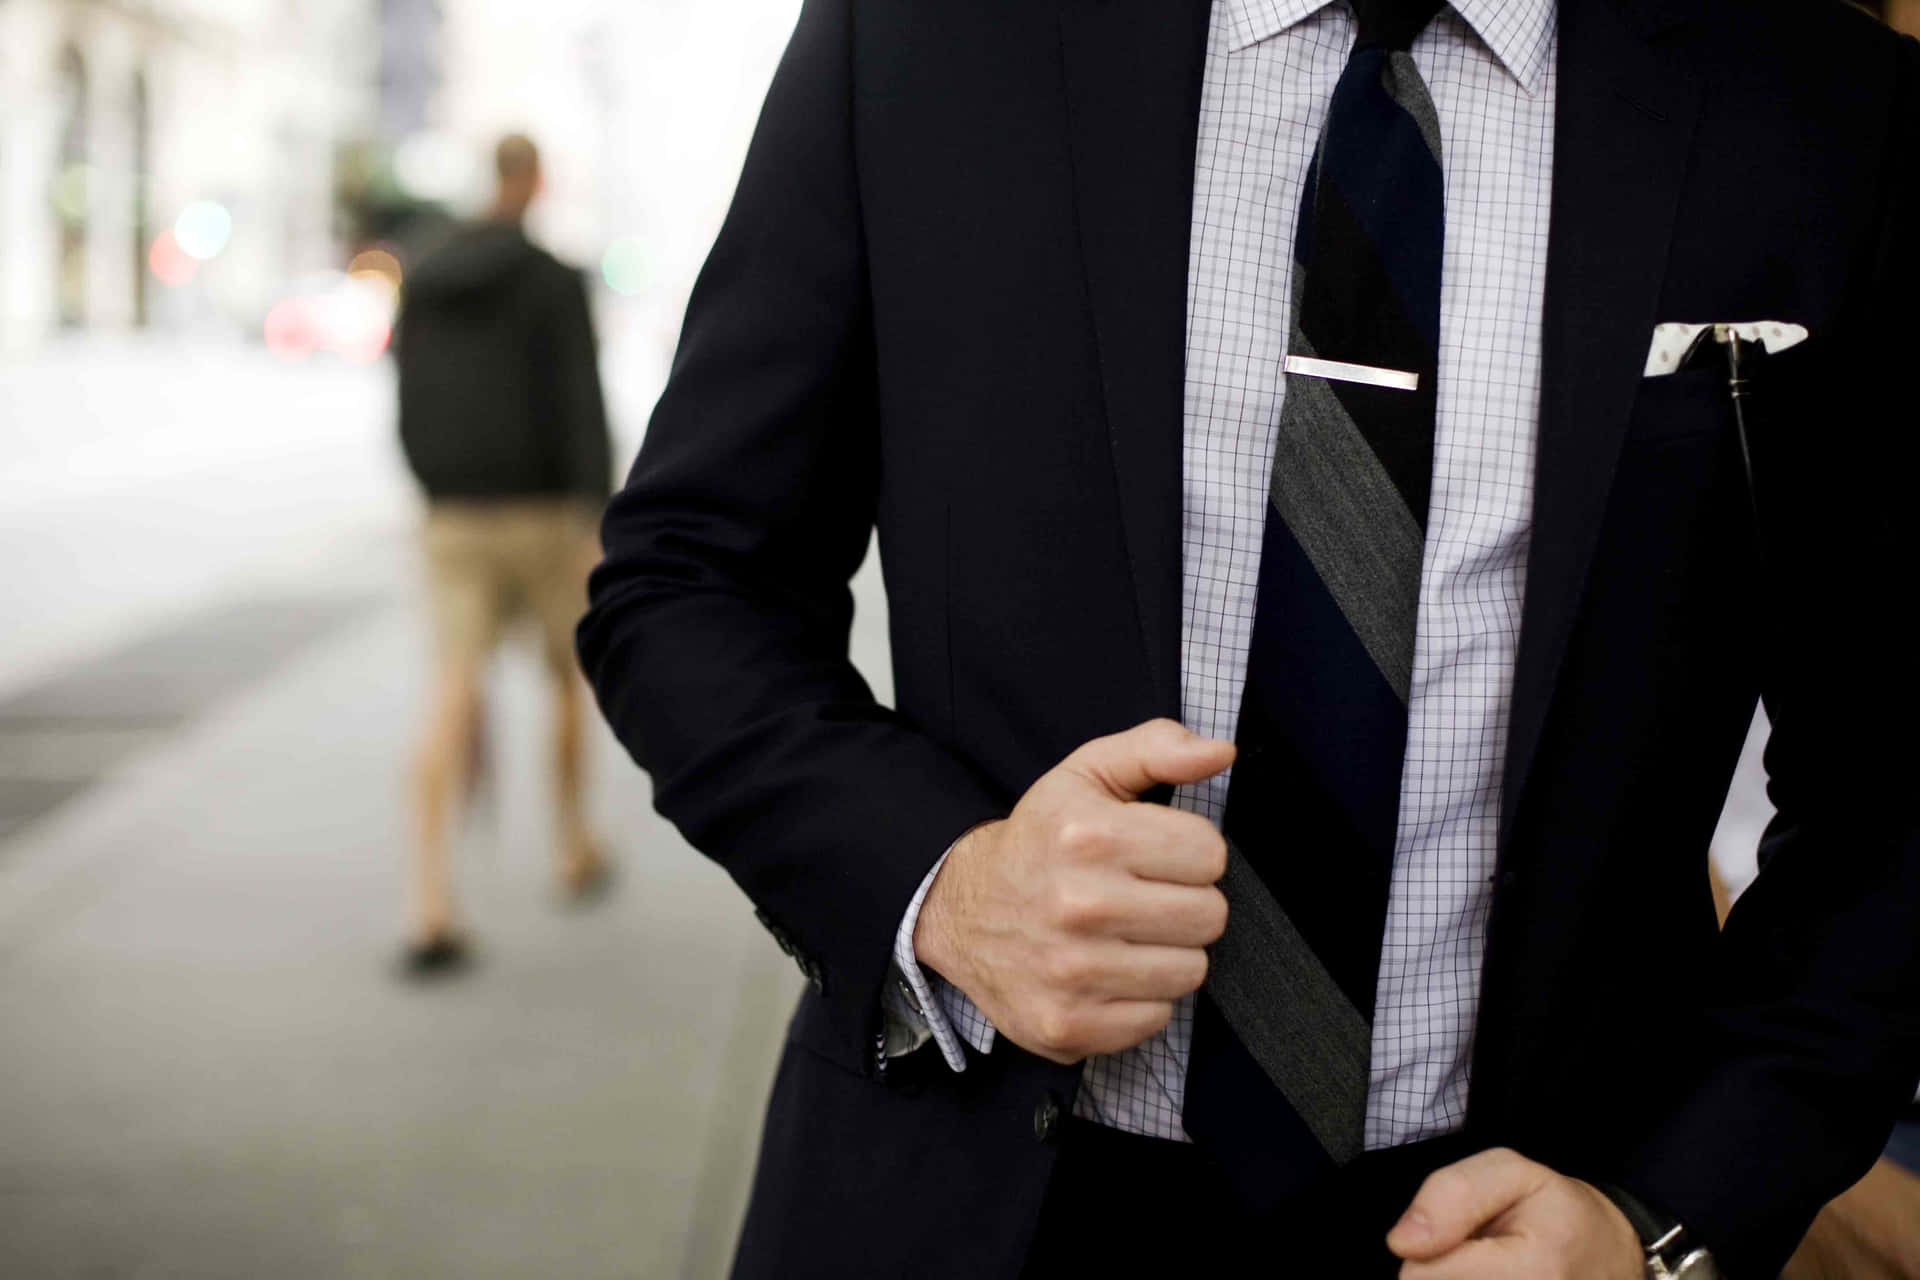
(445, 764)
(580, 863)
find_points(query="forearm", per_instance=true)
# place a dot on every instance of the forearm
(772, 757)
(1807, 1055)
(717, 635)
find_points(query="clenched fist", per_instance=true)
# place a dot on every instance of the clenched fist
(1076, 922)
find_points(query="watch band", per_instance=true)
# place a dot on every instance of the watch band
(1652, 1228)
(1668, 1254)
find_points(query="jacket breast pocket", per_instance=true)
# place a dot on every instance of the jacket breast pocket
(1696, 403)
(1691, 404)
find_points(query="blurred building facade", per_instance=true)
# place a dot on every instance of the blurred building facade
(116, 116)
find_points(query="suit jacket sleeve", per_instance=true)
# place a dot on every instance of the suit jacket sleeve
(717, 634)
(1813, 1043)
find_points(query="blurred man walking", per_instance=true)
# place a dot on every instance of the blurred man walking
(503, 423)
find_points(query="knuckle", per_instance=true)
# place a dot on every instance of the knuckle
(1068, 969)
(1077, 909)
(1081, 840)
(1049, 1027)
(1061, 1027)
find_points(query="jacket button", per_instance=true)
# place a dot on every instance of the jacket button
(778, 934)
(1046, 1117)
(810, 970)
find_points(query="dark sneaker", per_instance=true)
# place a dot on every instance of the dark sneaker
(437, 957)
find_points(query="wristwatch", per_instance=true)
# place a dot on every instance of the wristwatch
(1670, 1255)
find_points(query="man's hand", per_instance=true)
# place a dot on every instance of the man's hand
(1500, 1216)
(1078, 920)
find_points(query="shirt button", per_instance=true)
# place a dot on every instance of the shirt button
(1507, 879)
(1046, 1117)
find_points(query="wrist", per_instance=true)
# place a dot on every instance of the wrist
(936, 943)
(1627, 1243)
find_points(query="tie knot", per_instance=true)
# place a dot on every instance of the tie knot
(1392, 24)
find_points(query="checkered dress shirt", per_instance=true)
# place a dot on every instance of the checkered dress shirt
(1270, 73)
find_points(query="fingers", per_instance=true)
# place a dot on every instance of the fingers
(1168, 915)
(1098, 893)
(1149, 840)
(1158, 843)
(1126, 971)
(1457, 1201)
(1077, 921)
(1073, 1032)
(1157, 753)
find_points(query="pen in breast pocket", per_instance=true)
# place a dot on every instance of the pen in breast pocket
(1739, 392)
(1739, 354)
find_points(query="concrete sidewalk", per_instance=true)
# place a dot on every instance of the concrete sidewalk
(211, 1071)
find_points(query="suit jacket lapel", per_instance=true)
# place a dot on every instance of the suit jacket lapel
(1133, 79)
(1624, 125)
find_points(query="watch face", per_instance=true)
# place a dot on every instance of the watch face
(1698, 1265)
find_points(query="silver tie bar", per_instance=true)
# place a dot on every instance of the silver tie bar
(1340, 371)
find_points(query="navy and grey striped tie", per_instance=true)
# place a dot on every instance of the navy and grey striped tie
(1277, 1084)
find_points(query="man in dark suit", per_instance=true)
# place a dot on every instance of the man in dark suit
(1307, 375)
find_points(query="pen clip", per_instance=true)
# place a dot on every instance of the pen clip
(1729, 337)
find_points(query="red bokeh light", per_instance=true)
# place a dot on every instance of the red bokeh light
(290, 329)
(170, 264)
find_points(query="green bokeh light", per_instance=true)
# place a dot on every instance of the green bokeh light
(624, 267)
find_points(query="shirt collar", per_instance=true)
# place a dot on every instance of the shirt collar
(1520, 32)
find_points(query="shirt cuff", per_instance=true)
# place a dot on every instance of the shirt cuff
(948, 1013)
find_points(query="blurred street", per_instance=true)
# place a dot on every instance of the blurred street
(209, 685)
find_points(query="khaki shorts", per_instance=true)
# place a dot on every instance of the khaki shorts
(489, 563)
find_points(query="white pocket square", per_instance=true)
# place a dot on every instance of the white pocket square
(1671, 342)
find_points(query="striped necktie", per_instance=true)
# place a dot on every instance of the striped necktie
(1277, 1082)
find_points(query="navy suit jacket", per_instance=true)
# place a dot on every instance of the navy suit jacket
(949, 302)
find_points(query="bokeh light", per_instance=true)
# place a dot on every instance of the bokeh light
(356, 318)
(379, 270)
(171, 265)
(289, 329)
(624, 266)
(348, 314)
(70, 188)
(377, 262)
(203, 229)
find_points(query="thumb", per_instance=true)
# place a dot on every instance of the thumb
(1159, 752)
(1458, 1201)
